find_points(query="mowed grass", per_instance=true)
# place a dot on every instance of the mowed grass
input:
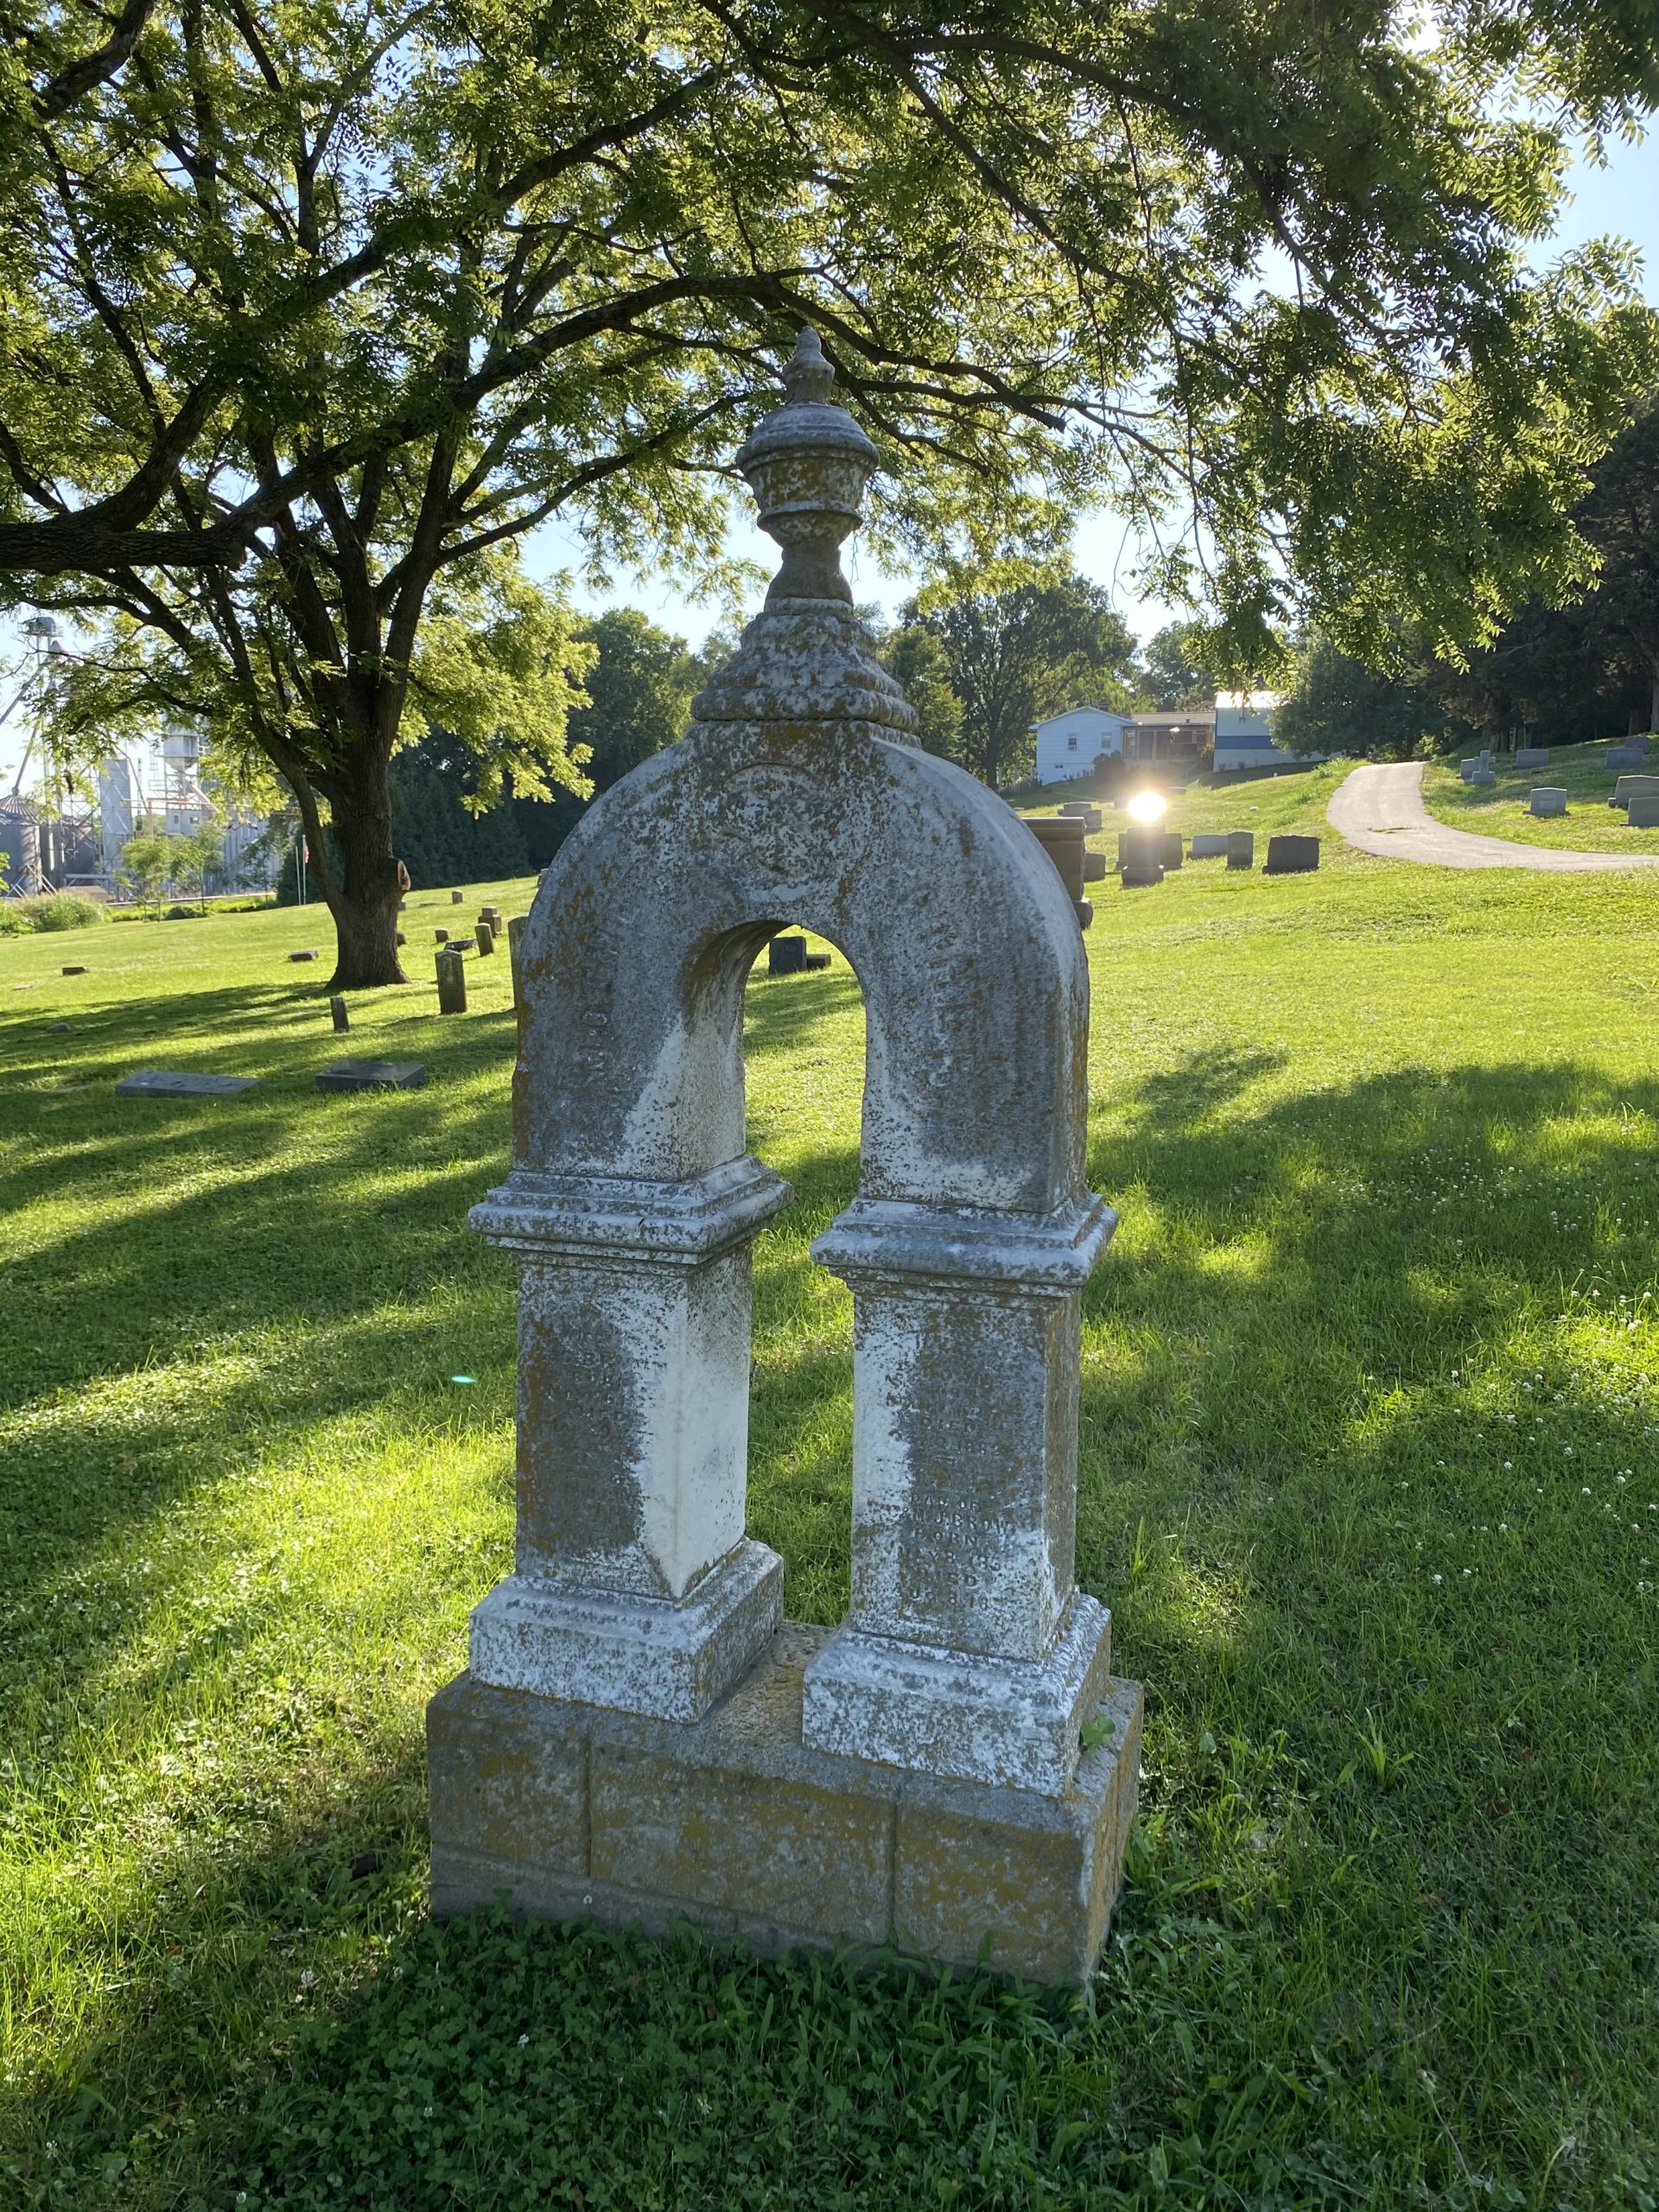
(1589, 825)
(1368, 1477)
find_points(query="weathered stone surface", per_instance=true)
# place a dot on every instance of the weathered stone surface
(1630, 787)
(1241, 848)
(1291, 855)
(738, 1824)
(1482, 777)
(170, 1082)
(969, 1661)
(456, 897)
(1548, 800)
(1643, 813)
(1532, 756)
(485, 933)
(1207, 847)
(342, 1020)
(373, 1074)
(452, 980)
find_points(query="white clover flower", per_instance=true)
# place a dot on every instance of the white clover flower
(1439, 1577)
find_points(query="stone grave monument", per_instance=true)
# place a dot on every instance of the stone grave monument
(639, 1735)
(1548, 800)
(1532, 756)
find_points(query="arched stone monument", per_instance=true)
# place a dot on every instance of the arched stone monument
(639, 1735)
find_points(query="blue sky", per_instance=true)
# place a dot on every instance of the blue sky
(1619, 200)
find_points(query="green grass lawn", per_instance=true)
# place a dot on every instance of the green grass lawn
(1589, 825)
(1369, 1478)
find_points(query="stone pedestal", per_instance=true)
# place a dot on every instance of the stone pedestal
(739, 1825)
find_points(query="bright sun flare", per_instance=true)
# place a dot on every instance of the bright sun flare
(1148, 806)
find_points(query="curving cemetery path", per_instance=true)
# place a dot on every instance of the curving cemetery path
(1380, 808)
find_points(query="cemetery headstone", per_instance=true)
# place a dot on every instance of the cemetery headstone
(1061, 836)
(1547, 800)
(442, 936)
(1643, 812)
(515, 955)
(74, 971)
(342, 1020)
(639, 1737)
(1171, 853)
(485, 936)
(1207, 846)
(1141, 866)
(456, 897)
(817, 962)
(1627, 756)
(57, 1028)
(373, 1074)
(1466, 768)
(172, 1083)
(786, 956)
(1291, 855)
(1630, 787)
(452, 980)
(1532, 756)
(1482, 777)
(302, 956)
(1241, 848)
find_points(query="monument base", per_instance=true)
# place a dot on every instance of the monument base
(733, 1823)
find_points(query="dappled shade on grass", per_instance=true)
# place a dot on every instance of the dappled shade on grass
(1367, 1460)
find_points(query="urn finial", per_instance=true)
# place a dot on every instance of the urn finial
(807, 465)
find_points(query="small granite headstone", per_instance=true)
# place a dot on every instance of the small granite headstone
(457, 898)
(1532, 756)
(1292, 856)
(1630, 787)
(485, 936)
(1207, 847)
(373, 1074)
(1643, 811)
(442, 936)
(786, 956)
(1142, 862)
(1241, 848)
(342, 1020)
(170, 1082)
(1466, 768)
(1171, 854)
(1483, 778)
(57, 1028)
(1548, 800)
(815, 962)
(1627, 756)
(74, 971)
(302, 956)
(452, 980)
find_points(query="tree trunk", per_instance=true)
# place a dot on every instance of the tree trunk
(363, 902)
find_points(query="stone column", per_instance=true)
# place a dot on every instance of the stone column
(634, 1585)
(967, 1649)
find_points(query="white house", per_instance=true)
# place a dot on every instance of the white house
(1068, 745)
(1244, 732)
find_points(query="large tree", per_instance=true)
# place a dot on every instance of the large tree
(1015, 654)
(359, 292)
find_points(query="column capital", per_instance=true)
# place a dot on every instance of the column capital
(632, 1218)
(893, 1238)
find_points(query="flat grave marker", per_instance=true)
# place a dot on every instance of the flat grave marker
(175, 1082)
(373, 1074)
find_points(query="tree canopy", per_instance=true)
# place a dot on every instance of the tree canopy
(311, 311)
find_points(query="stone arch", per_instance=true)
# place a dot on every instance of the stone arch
(799, 795)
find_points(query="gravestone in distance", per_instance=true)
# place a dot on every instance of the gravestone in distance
(442, 936)
(1241, 848)
(786, 956)
(485, 936)
(1532, 756)
(373, 1074)
(171, 1082)
(1547, 801)
(1466, 768)
(1630, 787)
(1291, 855)
(456, 897)
(1170, 849)
(337, 1008)
(452, 980)
(1141, 863)
(1207, 846)
(639, 1737)
(302, 956)
(1482, 777)
(1643, 813)
(1627, 756)
(74, 971)
(515, 943)
(1061, 836)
